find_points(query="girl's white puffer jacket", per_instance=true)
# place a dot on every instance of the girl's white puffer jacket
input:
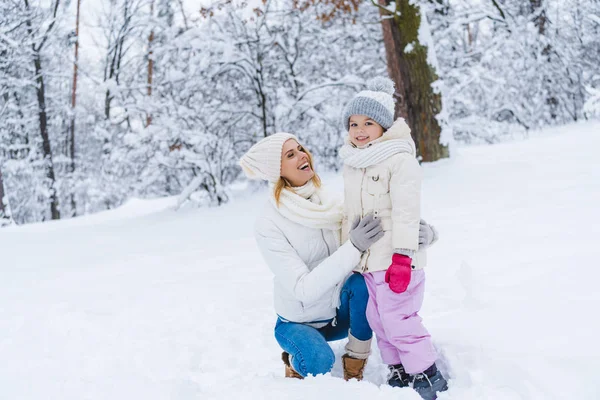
(309, 265)
(391, 190)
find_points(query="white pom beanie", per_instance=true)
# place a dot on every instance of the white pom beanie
(263, 160)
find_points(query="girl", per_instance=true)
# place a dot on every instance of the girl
(383, 177)
(317, 298)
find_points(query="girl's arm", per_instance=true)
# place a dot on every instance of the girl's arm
(405, 192)
(292, 272)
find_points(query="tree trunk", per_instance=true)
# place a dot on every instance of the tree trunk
(115, 54)
(5, 216)
(416, 100)
(150, 64)
(541, 19)
(4, 213)
(47, 151)
(469, 38)
(73, 105)
(43, 118)
(538, 9)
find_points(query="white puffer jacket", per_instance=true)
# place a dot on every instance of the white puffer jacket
(391, 190)
(309, 265)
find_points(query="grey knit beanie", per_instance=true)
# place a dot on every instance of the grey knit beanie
(376, 103)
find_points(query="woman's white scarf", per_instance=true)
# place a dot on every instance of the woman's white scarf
(375, 153)
(309, 206)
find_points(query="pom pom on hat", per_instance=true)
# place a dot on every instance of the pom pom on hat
(381, 84)
(263, 160)
(376, 103)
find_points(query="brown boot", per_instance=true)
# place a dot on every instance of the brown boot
(353, 367)
(289, 371)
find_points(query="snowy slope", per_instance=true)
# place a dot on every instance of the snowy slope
(145, 302)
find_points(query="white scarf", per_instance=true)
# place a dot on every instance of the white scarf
(309, 206)
(376, 153)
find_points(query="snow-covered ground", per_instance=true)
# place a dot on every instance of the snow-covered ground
(148, 303)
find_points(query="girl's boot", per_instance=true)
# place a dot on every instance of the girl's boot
(430, 382)
(398, 376)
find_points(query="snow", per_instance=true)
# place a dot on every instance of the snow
(426, 39)
(146, 302)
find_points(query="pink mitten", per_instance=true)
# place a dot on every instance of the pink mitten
(398, 274)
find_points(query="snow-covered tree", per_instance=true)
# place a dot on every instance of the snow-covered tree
(117, 119)
(512, 66)
(5, 214)
(240, 76)
(411, 64)
(592, 106)
(27, 33)
(168, 99)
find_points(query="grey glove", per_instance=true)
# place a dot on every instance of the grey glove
(364, 232)
(427, 235)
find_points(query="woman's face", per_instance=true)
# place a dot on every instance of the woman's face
(294, 164)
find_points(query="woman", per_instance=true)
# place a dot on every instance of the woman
(298, 234)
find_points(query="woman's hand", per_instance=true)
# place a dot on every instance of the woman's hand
(427, 235)
(364, 232)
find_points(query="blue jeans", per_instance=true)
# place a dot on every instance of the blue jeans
(308, 346)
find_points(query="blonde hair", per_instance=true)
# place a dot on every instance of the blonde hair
(283, 183)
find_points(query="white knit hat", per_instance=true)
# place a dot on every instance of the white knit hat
(376, 102)
(263, 160)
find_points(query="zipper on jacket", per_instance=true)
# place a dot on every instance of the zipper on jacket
(362, 214)
(362, 182)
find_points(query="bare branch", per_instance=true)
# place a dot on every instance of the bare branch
(382, 8)
(47, 34)
(495, 3)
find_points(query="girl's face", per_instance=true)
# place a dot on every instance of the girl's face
(295, 164)
(363, 130)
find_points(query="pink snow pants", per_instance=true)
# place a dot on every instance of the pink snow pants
(401, 336)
